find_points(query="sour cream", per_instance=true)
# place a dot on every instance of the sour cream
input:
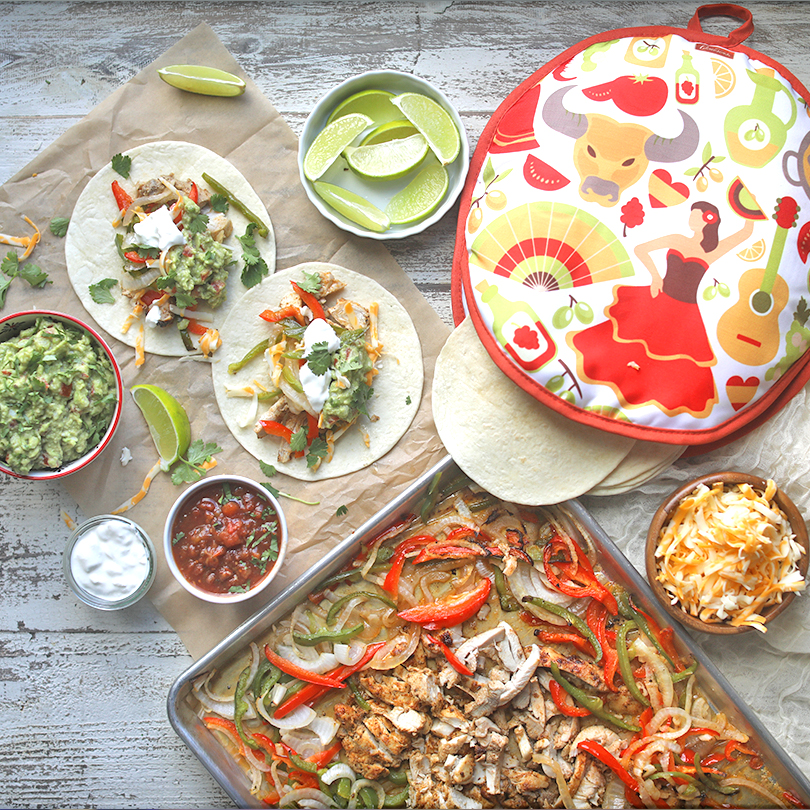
(108, 560)
(316, 386)
(158, 230)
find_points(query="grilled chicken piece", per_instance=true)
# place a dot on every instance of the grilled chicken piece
(591, 787)
(219, 226)
(349, 314)
(390, 689)
(499, 695)
(329, 284)
(365, 741)
(583, 670)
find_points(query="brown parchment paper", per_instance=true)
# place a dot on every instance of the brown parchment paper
(250, 133)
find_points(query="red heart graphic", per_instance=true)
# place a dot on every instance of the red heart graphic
(664, 191)
(741, 392)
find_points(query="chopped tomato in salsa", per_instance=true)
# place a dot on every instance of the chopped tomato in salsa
(226, 539)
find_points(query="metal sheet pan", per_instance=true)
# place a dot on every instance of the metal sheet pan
(582, 525)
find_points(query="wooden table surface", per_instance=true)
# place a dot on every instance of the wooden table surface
(82, 692)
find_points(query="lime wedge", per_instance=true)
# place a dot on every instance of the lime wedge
(390, 131)
(331, 141)
(376, 104)
(202, 79)
(353, 207)
(434, 122)
(168, 422)
(384, 161)
(420, 197)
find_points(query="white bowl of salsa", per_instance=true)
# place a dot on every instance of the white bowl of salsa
(225, 539)
(61, 394)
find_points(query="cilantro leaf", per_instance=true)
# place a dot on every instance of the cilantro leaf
(219, 203)
(11, 264)
(100, 291)
(189, 468)
(59, 226)
(408, 399)
(298, 441)
(255, 268)
(34, 275)
(268, 469)
(4, 282)
(319, 359)
(184, 299)
(342, 510)
(311, 283)
(271, 489)
(317, 450)
(196, 223)
(121, 164)
(199, 451)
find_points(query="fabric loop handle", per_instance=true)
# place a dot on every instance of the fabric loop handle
(738, 35)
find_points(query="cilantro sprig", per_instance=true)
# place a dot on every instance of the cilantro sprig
(255, 268)
(100, 291)
(189, 468)
(269, 470)
(10, 268)
(121, 164)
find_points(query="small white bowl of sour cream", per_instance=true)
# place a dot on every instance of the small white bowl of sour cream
(109, 562)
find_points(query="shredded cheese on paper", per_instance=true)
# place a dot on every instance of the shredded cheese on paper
(727, 554)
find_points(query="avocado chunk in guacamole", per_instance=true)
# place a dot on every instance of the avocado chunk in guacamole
(57, 396)
(349, 391)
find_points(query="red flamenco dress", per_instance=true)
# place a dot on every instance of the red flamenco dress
(653, 349)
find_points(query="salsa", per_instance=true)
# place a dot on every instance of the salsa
(226, 539)
(57, 396)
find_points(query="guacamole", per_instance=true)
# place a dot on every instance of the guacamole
(200, 267)
(57, 396)
(351, 365)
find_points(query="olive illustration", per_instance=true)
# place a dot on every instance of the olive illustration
(496, 200)
(562, 317)
(709, 293)
(583, 312)
(555, 383)
(475, 220)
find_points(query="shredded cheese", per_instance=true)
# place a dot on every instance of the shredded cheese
(28, 242)
(139, 496)
(727, 554)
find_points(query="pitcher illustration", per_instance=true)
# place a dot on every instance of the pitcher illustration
(755, 134)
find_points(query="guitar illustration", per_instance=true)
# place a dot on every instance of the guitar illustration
(749, 330)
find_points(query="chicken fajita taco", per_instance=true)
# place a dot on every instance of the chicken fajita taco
(320, 373)
(163, 242)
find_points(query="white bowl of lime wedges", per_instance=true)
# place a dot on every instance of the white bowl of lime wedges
(383, 155)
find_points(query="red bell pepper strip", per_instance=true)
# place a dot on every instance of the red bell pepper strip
(561, 701)
(450, 611)
(596, 619)
(451, 657)
(312, 428)
(325, 757)
(276, 429)
(194, 194)
(276, 315)
(313, 691)
(792, 798)
(122, 198)
(710, 760)
(391, 583)
(299, 672)
(604, 756)
(564, 637)
(580, 584)
(196, 328)
(447, 552)
(134, 257)
(311, 301)
(735, 745)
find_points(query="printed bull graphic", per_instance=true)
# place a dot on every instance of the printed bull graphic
(611, 156)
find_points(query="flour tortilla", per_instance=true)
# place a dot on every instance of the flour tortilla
(504, 439)
(642, 464)
(90, 249)
(397, 387)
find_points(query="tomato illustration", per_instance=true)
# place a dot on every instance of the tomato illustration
(540, 175)
(635, 95)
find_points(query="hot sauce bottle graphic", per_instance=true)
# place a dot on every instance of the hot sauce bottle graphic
(518, 328)
(687, 81)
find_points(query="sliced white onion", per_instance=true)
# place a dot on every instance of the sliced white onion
(369, 783)
(307, 794)
(349, 654)
(526, 580)
(277, 693)
(142, 280)
(322, 662)
(340, 770)
(255, 762)
(303, 742)
(326, 729)
(662, 715)
(300, 717)
(399, 649)
(193, 314)
(740, 781)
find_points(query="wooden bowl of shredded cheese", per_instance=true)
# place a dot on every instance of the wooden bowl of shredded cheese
(727, 552)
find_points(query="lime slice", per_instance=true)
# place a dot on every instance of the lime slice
(376, 104)
(420, 197)
(390, 131)
(384, 161)
(331, 141)
(353, 207)
(168, 422)
(434, 122)
(202, 79)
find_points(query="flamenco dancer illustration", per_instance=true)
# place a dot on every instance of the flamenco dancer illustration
(653, 347)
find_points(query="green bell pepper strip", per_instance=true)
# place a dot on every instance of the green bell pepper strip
(240, 706)
(572, 619)
(629, 611)
(367, 797)
(431, 498)
(338, 604)
(334, 636)
(707, 782)
(358, 695)
(625, 668)
(398, 777)
(237, 204)
(594, 704)
(397, 799)
(251, 354)
(508, 602)
(684, 673)
(255, 685)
